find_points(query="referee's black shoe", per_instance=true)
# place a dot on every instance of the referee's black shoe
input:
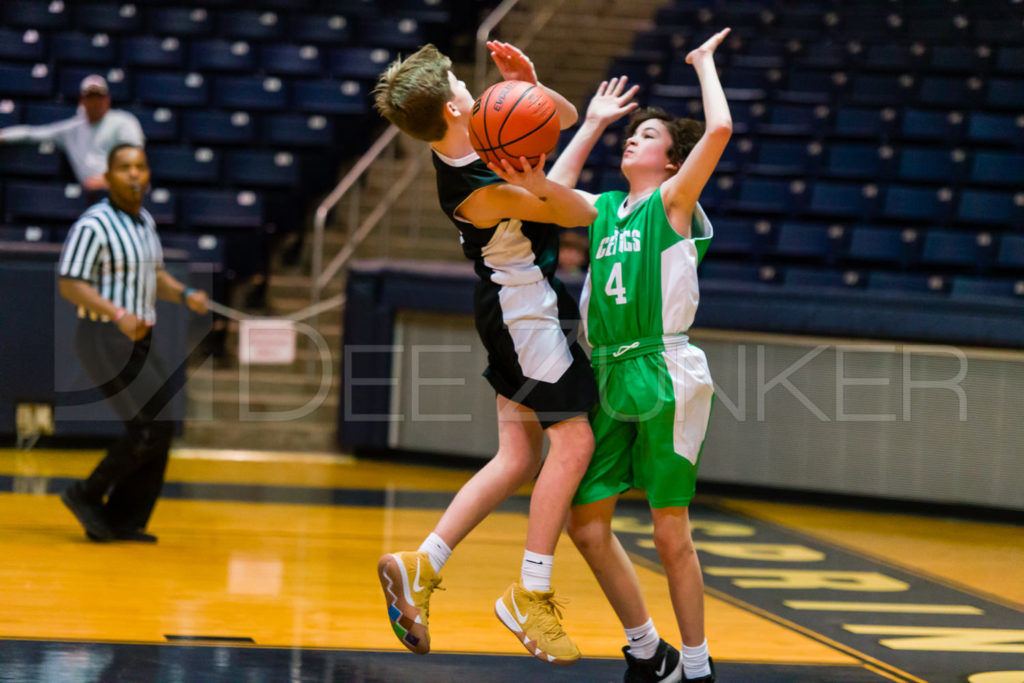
(89, 515)
(136, 535)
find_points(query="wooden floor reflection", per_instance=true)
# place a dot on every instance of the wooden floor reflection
(265, 571)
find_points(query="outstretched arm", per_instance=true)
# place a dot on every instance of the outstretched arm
(680, 192)
(611, 102)
(527, 195)
(516, 66)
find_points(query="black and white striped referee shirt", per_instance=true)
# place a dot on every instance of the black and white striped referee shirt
(119, 255)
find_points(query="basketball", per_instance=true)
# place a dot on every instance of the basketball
(514, 119)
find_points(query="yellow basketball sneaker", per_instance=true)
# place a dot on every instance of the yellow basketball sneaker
(408, 579)
(533, 616)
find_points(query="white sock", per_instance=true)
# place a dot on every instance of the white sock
(695, 660)
(643, 640)
(537, 571)
(437, 550)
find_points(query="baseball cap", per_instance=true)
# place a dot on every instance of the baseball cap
(94, 84)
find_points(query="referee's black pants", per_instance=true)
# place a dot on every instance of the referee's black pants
(134, 381)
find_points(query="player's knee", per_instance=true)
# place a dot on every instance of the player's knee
(588, 535)
(672, 541)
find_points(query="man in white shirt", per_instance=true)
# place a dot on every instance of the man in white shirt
(88, 136)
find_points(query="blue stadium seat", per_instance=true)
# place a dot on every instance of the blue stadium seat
(970, 249)
(251, 92)
(220, 128)
(889, 56)
(69, 83)
(879, 89)
(109, 17)
(713, 269)
(44, 201)
(221, 209)
(782, 157)
(30, 160)
(884, 245)
(997, 30)
(432, 11)
(202, 249)
(810, 86)
(1006, 93)
(863, 122)
(400, 33)
(29, 233)
(34, 80)
(988, 207)
(359, 62)
(997, 168)
(917, 203)
(83, 48)
(174, 89)
(1006, 289)
(1011, 253)
(813, 241)
(843, 200)
(10, 113)
(1010, 59)
(817, 278)
(801, 120)
(175, 164)
(27, 45)
(330, 97)
(152, 52)
(250, 24)
(261, 168)
(856, 161)
(741, 236)
(291, 60)
(995, 128)
(158, 125)
(927, 124)
(948, 91)
(907, 283)
(763, 196)
(182, 22)
(939, 165)
(964, 59)
(40, 113)
(162, 204)
(221, 55)
(733, 159)
(35, 14)
(825, 54)
(320, 29)
(296, 130)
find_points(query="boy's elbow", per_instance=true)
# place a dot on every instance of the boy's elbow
(721, 130)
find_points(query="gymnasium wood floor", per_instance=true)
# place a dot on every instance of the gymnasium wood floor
(265, 571)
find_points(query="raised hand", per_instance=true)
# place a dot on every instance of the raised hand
(610, 102)
(707, 50)
(512, 63)
(530, 178)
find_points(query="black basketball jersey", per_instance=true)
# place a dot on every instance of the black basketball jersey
(512, 252)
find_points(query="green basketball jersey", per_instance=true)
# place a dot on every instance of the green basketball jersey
(642, 282)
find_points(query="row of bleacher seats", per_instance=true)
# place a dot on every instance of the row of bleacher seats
(139, 53)
(193, 90)
(328, 23)
(765, 155)
(928, 20)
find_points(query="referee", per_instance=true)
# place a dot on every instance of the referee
(111, 267)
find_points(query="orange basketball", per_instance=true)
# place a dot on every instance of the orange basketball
(514, 119)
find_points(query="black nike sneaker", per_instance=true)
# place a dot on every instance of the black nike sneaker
(710, 678)
(663, 667)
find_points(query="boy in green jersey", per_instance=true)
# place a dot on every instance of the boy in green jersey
(508, 223)
(656, 392)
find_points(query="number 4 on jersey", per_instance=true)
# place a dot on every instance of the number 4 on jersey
(614, 285)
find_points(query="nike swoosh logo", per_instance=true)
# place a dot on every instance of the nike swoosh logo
(416, 582)
(624, 348)
(519, 615)
(661, 670)
(534, 562)
(636, 639)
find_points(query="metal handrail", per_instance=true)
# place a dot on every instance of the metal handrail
(482, 36)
